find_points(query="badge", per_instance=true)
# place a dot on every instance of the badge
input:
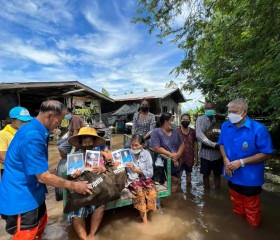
(245, 146)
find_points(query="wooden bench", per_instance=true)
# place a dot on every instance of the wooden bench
(164, 190)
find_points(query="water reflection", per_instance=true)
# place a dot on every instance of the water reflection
(191, 214)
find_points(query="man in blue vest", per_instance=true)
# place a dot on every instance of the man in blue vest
(245, 144)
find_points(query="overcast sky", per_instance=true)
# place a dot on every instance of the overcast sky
(90, 41)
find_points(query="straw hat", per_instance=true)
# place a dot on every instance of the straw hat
(86, 131)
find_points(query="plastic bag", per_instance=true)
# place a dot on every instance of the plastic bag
(159, 161)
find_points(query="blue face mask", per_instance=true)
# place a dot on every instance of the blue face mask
(68, 116)
(210, 112)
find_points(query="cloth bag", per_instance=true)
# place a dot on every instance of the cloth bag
(118, 176)
(214, 131)
(104, 191)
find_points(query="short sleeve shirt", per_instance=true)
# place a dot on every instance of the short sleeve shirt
(27, 156)
(143, 127)
(6, 136)
(170, 143)
(247, 140)
(189, 142)
(75, 124)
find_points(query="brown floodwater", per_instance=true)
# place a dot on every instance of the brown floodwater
(191, 214)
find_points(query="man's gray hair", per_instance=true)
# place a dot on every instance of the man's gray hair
(240, 102)
(52, 105)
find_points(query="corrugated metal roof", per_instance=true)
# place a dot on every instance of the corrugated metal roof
(163, 93)
(54, 88)
(127, 109)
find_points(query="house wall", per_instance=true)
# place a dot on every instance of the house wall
(169, 105)
(31, 102)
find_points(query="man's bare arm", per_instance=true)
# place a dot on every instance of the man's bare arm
(50, 179)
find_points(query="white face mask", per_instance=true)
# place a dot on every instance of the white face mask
(172, 126)
(234, 118)
(135, 151)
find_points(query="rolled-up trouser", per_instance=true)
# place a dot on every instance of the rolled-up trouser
(247, 205)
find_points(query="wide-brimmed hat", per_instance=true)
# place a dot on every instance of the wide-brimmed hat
(100, 127)
(86, 131)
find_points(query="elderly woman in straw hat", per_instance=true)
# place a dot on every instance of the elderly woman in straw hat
(87, 139)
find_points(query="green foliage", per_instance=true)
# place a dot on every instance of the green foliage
(197, 111)
(232, 48)
(145, 89)
(171, 84)
(105, 92)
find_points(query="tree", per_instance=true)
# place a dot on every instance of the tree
(231, 48)
(145, 89)
(105, 92)
(171, 84)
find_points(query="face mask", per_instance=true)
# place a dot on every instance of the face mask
(145, 109)
(68, 116)
(135, 151)
(172, 126)
(185, 124)
(234, 118)
(210, 112)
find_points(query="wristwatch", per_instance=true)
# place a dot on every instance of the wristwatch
(242, 162)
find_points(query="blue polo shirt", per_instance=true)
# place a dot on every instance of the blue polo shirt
(27, 156)
(247, 140)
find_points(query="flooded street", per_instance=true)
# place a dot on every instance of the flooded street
(191, 213)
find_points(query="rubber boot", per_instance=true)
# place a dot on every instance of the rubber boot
(217, 181)
(253, 210)
(237, 200)
(206, 182)
(42, 225)
(26, 234)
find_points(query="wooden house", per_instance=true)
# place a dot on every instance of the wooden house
(163, 100)
(86, 101)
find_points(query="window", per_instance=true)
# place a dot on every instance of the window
(164, 109)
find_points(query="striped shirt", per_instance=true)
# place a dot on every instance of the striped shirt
(145, 126)
(202, 124)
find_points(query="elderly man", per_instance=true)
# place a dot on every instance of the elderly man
(245, 144)
(209, 153)
(18, 117)
(23, 186)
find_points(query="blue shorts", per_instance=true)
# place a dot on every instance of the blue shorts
(83, 212)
